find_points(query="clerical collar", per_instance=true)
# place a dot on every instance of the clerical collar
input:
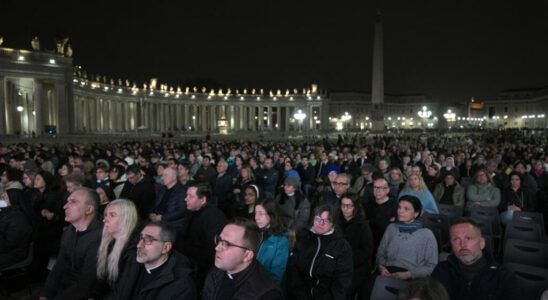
(291, 195)
(149, 271)
(383, 201)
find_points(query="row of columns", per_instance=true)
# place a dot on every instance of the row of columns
(123, 115)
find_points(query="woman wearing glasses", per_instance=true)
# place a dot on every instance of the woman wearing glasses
(320, 265)
(483, 192)
(274, 250)
(118, 246)
(358, 234)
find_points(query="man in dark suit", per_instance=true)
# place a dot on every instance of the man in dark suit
(139, 189)
(222, 191)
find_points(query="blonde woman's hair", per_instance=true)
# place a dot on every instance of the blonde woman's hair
(422, 185)
(107, 263)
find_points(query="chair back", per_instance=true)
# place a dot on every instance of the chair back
(387, 288)
(525, 231)
(526, 252)
(492, 214)
(532, 280)
(529, 216)
(451, 211)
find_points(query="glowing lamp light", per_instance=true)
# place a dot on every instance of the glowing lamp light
(299, 115)
(19, 108)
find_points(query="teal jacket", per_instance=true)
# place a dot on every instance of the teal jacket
(273, 255)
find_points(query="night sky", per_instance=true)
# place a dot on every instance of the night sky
(449, 49)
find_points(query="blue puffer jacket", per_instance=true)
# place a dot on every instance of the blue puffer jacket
(273, 255)
(176, 206)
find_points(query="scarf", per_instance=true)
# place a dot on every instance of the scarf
(538, 173)
(409, 228)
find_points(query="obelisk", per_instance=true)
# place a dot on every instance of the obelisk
(377, 91)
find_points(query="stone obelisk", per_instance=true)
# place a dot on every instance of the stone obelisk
(377, 94)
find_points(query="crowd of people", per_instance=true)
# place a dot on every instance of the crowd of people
(262, 220)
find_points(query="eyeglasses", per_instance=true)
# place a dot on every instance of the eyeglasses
(339, 183)
(321, 221)
(226, 244)
(379, 188)
(347, 206)
(147, 240)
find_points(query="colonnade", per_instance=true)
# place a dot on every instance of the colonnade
(103, 112)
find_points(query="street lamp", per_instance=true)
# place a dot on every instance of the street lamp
(346, 117)
(425, 113)
(299, 116)
(449, 116)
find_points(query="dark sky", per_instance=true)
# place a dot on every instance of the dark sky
(447, 49)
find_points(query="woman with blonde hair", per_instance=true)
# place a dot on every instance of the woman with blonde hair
(118, 246)
(416, 187)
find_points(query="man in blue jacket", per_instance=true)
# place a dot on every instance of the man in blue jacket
(170, 204)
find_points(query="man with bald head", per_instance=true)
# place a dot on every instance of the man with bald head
(170, 203)
(470, 272)
(75, 268)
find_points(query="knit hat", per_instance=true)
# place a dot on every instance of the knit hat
(331, 169)
(293, 181)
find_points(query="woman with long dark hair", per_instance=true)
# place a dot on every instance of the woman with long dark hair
(274, 250)
(515, 198)
(356, 231)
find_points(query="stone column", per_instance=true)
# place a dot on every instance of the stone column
(186, 122)
(62, 115)
(2, 107)
(287, 113)
(269, 116)
(203, 118)
(38, 106)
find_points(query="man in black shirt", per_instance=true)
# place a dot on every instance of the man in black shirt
(237, 274)
(158, 272)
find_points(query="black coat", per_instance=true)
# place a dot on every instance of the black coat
(319, 267)
(494, 281)
(15, 236)
(142, 194)
(307, 175)
(269, 180)
(254, 282)
(173, 281)
(358, 234)
(175, 207)
(222, 192)
(379, 217)
(196, 240)
(76, 265)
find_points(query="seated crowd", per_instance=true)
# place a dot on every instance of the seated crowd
(264, 220)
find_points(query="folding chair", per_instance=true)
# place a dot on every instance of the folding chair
(527, 253)
(451, 211)
(442, 223)
(529, 216)
(492, 214)
(13, 273)
(387, 288)
(525, 231)
(532, 280)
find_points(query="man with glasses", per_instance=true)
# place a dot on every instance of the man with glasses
(237, 273)
(339, 185)
(381, 211)
(139, 189)
(205, 221)
(158, 272)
